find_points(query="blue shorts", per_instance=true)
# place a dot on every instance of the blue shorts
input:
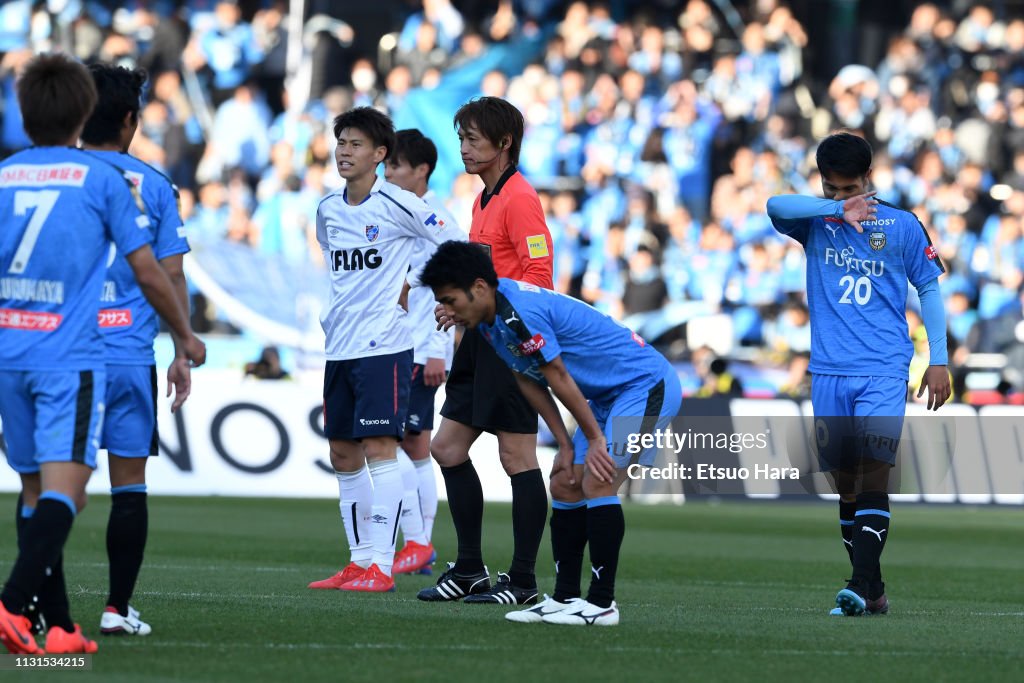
(634, 411)
(857, 418)
(130, 427)
(51, 416)
(367, 396)
(421, 403)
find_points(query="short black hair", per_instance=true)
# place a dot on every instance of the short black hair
(414, 147)
(458, 264)
(496, 119)
(120, 93)
(56, 96)
(374, 124)
(844, 153)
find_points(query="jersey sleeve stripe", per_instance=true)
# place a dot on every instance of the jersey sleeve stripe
(395, 202)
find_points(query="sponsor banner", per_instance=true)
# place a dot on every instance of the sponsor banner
(245, 437)
(779, 449)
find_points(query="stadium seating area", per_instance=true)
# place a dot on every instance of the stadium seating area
(655, 136)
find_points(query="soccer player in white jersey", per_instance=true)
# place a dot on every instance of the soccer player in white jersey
(409, 167)
(368, 232)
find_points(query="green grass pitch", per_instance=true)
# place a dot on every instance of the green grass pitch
(733, 591)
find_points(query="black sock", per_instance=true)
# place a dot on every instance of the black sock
(126, 543)
(568, 539)
(43, 540)
(20, 521)
(870, 533)
(53, 598)
(606, 526)
(466, 502)
(847, 511)
(529, 513)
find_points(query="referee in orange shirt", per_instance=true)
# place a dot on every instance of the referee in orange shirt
(481, 393)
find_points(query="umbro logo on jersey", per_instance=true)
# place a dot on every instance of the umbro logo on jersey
(379, 519)
(372, 233)
(356, 259)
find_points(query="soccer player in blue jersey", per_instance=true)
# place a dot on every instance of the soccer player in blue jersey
(368, 232)
(61, 208)
(861, 253)
(129, 325)
(612, 382)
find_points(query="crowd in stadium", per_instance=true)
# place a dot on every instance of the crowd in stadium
(655, 138)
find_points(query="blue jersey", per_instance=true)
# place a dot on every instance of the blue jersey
(857, 287)
(533, 326)
(129, 324)
(60, 208)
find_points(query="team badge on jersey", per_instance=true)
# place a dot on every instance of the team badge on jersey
(876, 240)
(372, 233)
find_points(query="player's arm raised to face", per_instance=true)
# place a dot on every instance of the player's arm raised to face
(529, 234)
(791, 214)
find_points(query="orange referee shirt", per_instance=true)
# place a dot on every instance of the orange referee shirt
(511, 224)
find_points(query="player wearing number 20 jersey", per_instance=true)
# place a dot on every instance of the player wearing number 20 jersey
(857, 287)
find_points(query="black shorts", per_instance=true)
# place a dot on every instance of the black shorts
(482, 392)
(421, 403)
(366, 397)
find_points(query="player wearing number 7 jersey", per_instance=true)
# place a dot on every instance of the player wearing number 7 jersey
(61, 207)
(861, 252)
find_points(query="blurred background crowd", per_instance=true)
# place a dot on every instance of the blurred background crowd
(656, 131)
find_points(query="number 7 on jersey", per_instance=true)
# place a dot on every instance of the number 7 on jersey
(43, 202)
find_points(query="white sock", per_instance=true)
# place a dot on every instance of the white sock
(428, 494)
(412, 517)
(387, 508)
(355, 500)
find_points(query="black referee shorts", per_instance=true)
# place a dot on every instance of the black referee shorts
(482, 392)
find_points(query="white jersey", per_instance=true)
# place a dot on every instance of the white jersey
(427, 340)
(368, 249)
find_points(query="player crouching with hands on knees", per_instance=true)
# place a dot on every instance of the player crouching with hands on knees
(605, 374)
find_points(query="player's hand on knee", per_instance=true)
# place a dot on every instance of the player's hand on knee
(599, 462)
(863, 207)
(563, 464)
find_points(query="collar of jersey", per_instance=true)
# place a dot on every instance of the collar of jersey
(376, 188)
(509, 172)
